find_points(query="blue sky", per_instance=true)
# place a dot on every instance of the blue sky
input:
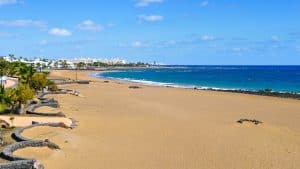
(165, 31)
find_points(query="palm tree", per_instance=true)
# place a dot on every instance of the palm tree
(11, 57)
(64, 64)
(26, 73)
(13, 69)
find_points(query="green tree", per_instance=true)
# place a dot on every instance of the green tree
(81, 65)
(24, 93)
(14, 68)
(26, 73)
(64, 64)
(38, 81)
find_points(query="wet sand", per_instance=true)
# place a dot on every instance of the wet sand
(169, 128)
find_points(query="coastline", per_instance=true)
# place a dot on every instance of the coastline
(291, 95)
(169, 128)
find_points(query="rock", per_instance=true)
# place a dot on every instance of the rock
(4, 124)
(256, 122)
(34, 122)
(134, 87)
(38, 165)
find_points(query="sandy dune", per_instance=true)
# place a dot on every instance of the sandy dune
(168, 128)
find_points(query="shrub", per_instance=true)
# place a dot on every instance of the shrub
(39, 81)
(53, 87)
(24, 93)
(2, 107)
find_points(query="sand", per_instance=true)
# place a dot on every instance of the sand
(169, 128)
(22, 121)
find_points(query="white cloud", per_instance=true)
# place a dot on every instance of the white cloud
(60, 32)
(150, 18)
(8, 2)
(204, 3)
(110, 25)
(143, 3)
(24, 23)
(138, 44)
(208, 38)
(275, 38)
(90, 25)
(135, 44)
(238, 49)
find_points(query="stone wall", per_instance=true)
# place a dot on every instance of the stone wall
(49, 103)
(22, 164)
(17, 134)
(42, 95)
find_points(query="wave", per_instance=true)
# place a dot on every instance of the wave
(164, 84)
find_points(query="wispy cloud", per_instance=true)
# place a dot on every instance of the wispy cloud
(134, 44)
(90, 25)
(24, 23)
(8, 2)
(208, 38)
(275, 38)
(138, 44)
(143, 3)
(150, 18)
(60, 32)
(204, 3)
(239, 49)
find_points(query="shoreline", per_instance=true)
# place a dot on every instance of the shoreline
(267, 92)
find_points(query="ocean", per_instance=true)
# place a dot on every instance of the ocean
(248, 78)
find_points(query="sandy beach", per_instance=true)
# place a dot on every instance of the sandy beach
(169, 128)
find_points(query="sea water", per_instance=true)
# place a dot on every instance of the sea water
(251, 78)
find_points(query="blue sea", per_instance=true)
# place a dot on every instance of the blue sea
(250, 78)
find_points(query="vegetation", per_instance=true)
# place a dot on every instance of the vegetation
(102, 64)
(38, 81)
(30, 82)
(52, 86)
(2, 107)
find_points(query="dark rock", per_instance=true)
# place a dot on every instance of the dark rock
(254, 121)
(134, 87)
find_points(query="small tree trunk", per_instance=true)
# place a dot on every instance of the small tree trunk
(20, 109)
